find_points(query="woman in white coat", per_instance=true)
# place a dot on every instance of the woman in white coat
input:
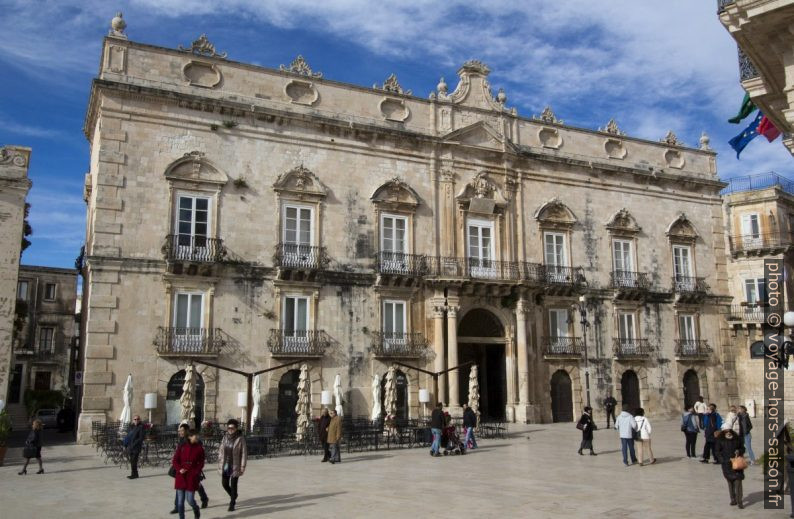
(644, 428)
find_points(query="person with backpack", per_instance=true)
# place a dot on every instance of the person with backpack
(587, 426)
(133, 442)
(745, 426)
(690, 427)
(626, 426)
(712, 423)
(644, 428)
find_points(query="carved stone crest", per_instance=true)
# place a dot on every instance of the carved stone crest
(299, 66)
(203, 47)
(392, 85)
(612, 127)
(671, 139)
(547, 116)
(12, 157)
(623, 222)
(482, 186)
(300, 182)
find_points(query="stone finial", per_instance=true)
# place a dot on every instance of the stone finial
(442, 86)
(203, 47)
(671, 139)
(547, 116)
(704, 142)
(612, 127)
(117, 26)
(501, 97)
(300, 66)
(391, 85)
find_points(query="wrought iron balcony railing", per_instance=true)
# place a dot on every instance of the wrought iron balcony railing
(185, 342)
(298, 256)
(629, 280)
(759, 241)
(399, 263)
(200, 249)
(448, 266)
(747, 70)
(562, 346)
(692, 348)
(399, 345)
(556, 275)
(21, 350)
(532, 272)
(689, 285)
(298, 343)
(722, 3)
(625, 347)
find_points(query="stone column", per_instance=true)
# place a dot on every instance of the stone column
(523, 361)
(438, 348)
(452, 354)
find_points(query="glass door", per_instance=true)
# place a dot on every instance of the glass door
(394, 326)
(297, 239)
(556, 257)
(393, 244)
(623, 263)
(296, 323)
(682, 267)
(480, 249)
(192, 227)
(188, 323)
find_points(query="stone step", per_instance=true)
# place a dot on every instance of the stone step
(19, 416)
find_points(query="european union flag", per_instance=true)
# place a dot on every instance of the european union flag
(751, 132)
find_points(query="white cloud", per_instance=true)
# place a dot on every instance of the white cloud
(14, 128)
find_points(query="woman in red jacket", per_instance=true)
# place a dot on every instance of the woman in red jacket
(188, 462)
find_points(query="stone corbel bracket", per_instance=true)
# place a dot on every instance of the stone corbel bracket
(302, 92)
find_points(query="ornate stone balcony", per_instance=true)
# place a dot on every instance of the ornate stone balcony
(628, 284)
(689, 288)
(760, 243)
(399, 345)
(301, 257)
(561, 348)
(692, 349)
(298, 343)
(563, 281)
(188, 342)
(746, 312)
(401, 264)
(630, 348)
(195, 249)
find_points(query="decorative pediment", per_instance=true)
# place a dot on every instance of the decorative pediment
(473, 89)
(395, 195)
(682, 229)
(480, 135)
(555, 214)
(481, 195)
(623, 222)
(300, 183)
(194, 167)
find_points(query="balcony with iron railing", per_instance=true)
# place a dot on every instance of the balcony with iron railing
(631, 348)
(399, 345)
(191, 248)
(301, 257)
(563, 276)
(562, 347)
(188, 342)
(760, 242)
(401, 264)
(689, 285)
(722, 3)
(298, 343)
(747, 312)
(758, 181)
(628, 280)
(473, 268)
(692, 349)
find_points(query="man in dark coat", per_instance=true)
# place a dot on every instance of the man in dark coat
(134, 443)
(712, 423)
(436, 425)
(587, 426)
(730, 445)
(322, 431)
(609, 407)
(469, 424)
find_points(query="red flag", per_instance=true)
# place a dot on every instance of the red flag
(767, 129)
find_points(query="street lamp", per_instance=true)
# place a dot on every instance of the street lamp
(581, 306)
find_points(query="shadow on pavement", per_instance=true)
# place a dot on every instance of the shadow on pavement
(273, 504)
(355, 459)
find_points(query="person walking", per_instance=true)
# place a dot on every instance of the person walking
(232, 457)
(182, 432)
(690, 427)
(745, 426)
(712, 423)
(134, 444)
(436, 425)
(469, 424)
(335, 436)
(644, 427)
(626, 425)
(322, 431)
(188, 462)
(587, 425)
(729, 446)
(700, 410)
(32, 447)
(609, 407)
(732, 420)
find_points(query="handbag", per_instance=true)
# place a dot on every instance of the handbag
(29, 451)
(685, 425)
(738, 463)
(580, 426)
(172, 471)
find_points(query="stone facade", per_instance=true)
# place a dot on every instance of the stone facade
(253, 216)
(14, 187)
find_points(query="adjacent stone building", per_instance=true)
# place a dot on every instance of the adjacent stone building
(252, 216)
(14, 187)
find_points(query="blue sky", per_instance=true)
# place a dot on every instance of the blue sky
(650, 67)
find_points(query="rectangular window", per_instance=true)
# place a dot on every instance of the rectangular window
(49, 291)
(480, 248)
(394, 319)
(297, 225)
(46, 335)
(682, 262)
(295, 323)
(750, 226)
(622, 259)
(559, 330)
(393, 234)
(686, 327)
(555, 252)
(188, 334)
(192, 223)
(754, 290)
(626, 326)
(22, 290)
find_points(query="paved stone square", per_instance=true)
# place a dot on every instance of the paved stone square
(516, 477)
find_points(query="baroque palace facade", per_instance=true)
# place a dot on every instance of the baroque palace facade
(250, 217)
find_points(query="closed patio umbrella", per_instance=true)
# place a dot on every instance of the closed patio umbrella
(474, 391)
(126, 412)
(187, 401)
(255, 410)
(303, 407)
(390, 401)
(377, 410)
(338, 394)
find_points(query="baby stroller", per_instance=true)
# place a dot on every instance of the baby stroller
(451, 441)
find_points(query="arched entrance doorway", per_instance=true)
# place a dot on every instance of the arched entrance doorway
(630, 389)
(481, 339)
(401, 381)
(173, 409)
(561, 397)
(691, 388)
(288, 396)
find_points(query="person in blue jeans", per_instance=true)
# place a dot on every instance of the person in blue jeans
(436, 424)
(745, 426)
(626, 425)
(469, 424)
